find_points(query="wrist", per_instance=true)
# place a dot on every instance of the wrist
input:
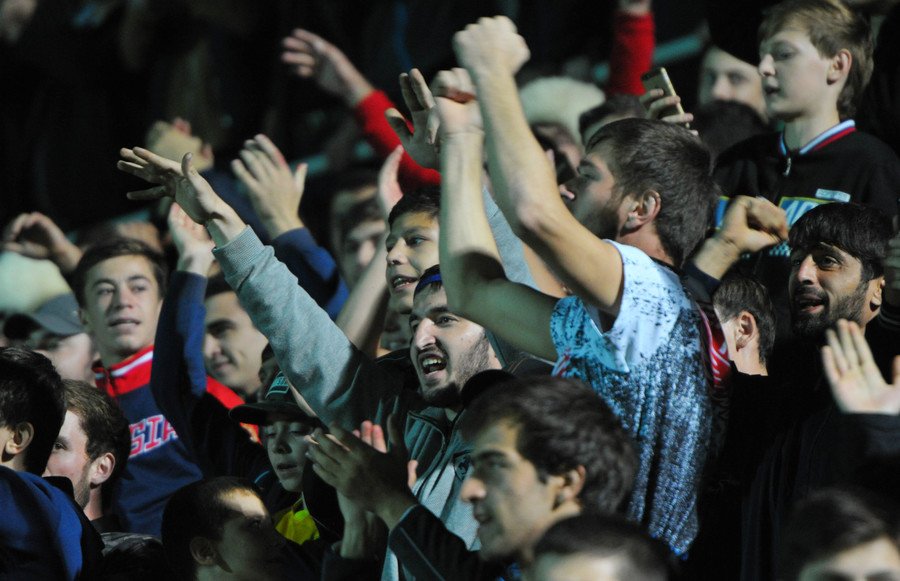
(278, 225)
(224, 225)
(66, 258)
(391, 508)
(357, 90)
(196, 262)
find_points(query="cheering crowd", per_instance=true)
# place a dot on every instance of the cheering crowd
(563, 333)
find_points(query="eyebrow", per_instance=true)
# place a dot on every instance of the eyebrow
(131, 278)
(488, 455)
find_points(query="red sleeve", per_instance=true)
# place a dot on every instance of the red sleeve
(376, 130)
(632, 53)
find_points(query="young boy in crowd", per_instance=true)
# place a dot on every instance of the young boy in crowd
(815, 60)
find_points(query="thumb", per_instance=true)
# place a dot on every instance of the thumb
(187, 164)
(398, 123)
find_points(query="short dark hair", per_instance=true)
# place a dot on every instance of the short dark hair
(217, 285)
(103, 423)
(722, 124)
(860, 231)
(113, 249)
(31, 391)
(830, 521)
(562, 425)
(608, 536)
(367, 210)
(197, 510)
(743, 293)
(424, 200)
(615, 105)
(831, 26)
(647, 155)
(431, 277)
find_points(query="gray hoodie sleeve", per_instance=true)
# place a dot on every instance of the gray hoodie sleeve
(338, 381)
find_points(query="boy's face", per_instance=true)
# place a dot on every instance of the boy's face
(232, 347)
(286, 446)
(412, 246)
(122, 304)
(798, 81)
(69, 458)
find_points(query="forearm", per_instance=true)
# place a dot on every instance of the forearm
(224, 225)
(468, 253)
(339, 383)
(524, 183)
(715, 257)
(362, 317)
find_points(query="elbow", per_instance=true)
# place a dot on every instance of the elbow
(533, 224)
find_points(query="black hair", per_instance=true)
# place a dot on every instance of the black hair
(645, 155)
(216, 286)
(114, 248)
(636, 555)
(722, 124)
(431, 277)
(425, 200)
(562, 425)
(103, 423)
(367, 210)
(31, 391)
(831, 521)
(743, 293)
(197, 510)
(862, 232)
(615, 105)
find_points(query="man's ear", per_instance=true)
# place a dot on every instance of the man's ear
(840, 66)
(645, 209)
(876, 287)
(202, 551)
(102, 468)
(570, 486)
(22, 435)
(745, 329)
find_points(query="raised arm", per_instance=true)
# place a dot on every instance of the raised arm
(477, 287)
(276, 193)
(339, 383)
(524, 183)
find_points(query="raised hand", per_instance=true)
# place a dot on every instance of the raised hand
(655, 103)
(181, 182)
(421, 143)
(192, 242)
(36, 236)
(274, 190)
(856, 381)
(457, 108)
(751, 224)
(311, 56)
(491, 46)
(389, 192)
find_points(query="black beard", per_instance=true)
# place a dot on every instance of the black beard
(475, 361)
(849, 307)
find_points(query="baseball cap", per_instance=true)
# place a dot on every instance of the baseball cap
(58, 316)
(278, 400)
